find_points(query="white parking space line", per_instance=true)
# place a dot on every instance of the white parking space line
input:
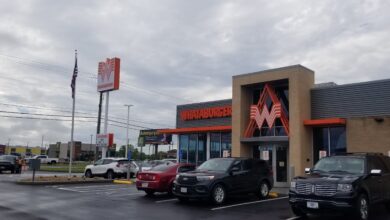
(130, 194)
(247, 203)
(293, 218)
(166, 200)
(100, 190)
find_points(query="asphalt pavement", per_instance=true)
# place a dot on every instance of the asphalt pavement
(121, 201)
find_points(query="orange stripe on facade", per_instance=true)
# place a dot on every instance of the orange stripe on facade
(325, 122)
(196, 129)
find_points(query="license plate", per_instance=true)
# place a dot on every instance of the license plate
(312, 205)
(145, 185)
(183, 189)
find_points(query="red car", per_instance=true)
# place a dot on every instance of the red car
(160, 178)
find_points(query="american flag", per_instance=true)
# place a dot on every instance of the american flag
(75, 71)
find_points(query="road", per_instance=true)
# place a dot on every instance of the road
(112, 201)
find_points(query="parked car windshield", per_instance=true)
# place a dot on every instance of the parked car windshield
(215, 165)
(163, 167)
(340, 164)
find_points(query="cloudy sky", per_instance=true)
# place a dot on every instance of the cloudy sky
(172, 52)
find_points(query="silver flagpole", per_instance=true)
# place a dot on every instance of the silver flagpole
(72, 131)
(71, 138)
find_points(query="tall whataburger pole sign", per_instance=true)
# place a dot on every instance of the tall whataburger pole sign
(107, 80)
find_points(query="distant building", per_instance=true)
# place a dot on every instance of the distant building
(80, 152)
(2, 149)
(24, 150)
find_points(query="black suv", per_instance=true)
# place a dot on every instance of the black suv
(9, 162)
(217, 178)
(349, 184)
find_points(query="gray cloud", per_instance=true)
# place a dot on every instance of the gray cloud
(187, 51)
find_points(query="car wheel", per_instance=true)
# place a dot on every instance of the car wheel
(263, 190)
(110, 175)
(13, 171)
(53, 162)
(298, 212)
(149, 192)
(362, 208)
(218, 194)
(88, 174)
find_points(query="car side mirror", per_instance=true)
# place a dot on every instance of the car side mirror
(307, 170)
(376, 172)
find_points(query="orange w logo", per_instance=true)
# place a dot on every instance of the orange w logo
(105, 69)
(258, 117)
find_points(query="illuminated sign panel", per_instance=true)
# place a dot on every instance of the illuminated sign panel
(108, 75)
(206, 113)
(259, 113)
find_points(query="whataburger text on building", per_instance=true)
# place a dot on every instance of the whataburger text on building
(282, 116)
(205, 113)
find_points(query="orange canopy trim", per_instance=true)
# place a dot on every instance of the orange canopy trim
(196, 129)
(325, 122)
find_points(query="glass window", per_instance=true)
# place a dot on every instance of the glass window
(226, 143)
(215, 145)
(163, 167)
(192, 148)
(218, 164)
(329, 142)
(321, 142)
(183, 148)
(107, 161)
(99, 162)
(376, 164)
(340, 164)
(247, 165)
(202, 140)
(337, 140)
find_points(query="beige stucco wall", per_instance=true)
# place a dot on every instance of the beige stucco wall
(368, 135)
(301, 80)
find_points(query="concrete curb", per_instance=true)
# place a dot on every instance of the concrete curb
(123, 181)
(40, 183)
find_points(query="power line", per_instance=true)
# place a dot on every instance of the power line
(78, 112)
(56, 119)
(68, 116)
(49, 67)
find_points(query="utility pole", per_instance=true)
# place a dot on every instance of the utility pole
(127, 139)
(90, 148)
(9, 148)
(42, 141)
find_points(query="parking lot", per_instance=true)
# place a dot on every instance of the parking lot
(117, 201)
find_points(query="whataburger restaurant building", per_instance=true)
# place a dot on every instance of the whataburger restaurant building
(282, 116)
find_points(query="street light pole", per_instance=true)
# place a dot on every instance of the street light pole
(90, 148)
(127, 138)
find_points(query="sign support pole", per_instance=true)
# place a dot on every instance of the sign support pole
(104, 149)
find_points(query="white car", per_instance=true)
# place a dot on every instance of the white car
(44, 159)
(110, 168)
